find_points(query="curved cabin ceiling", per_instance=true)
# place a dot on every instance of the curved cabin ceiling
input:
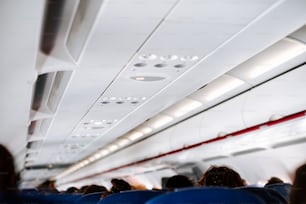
(78, 75)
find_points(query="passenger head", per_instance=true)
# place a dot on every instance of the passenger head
(221, 176)
(178, 181)
(83, 188)
(120, 185)
(48, 186)
(274, 180)
(8, 177)
(298, 189)
(94, 189)
(72, 190)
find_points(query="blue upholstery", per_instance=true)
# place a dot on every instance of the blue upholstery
(268, 195)
(130, 197)
(91, 198)
(50, 198)
(207, 195)
(38, 198)
(282, 188)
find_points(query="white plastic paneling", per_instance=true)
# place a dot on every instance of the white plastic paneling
(282, 96)
(19, 38)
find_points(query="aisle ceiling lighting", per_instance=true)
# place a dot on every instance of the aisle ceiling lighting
(263, 62)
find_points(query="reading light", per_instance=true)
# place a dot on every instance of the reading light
(189, 58)
(168, 58)
(185, 106)
(219, 87)
(147, 57)
(272, 57)
(98, 123)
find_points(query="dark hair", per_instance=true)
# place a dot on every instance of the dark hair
(221, 176)
(178, 181)
(72, 190)
(298, 189)
(274, 180)
(8, 177)
(83, 188)
(94, 188)
(47, 186)
(120, 185)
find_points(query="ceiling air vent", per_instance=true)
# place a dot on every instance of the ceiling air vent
(34, 144)
(288, 143)
(49, 89)
(249, 151)
(214, 158)
(83, 22)
(38, 128)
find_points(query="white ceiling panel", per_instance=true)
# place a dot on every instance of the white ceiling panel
(198, 27)
(131, 60)
(18, 48)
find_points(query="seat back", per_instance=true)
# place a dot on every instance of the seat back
(282, 188)
(91, 198)
(207, 195)
(268, 195)
(130, 197)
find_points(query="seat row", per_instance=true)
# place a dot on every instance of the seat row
(250, 195)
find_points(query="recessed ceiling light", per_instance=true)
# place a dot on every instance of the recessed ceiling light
(85, 162)
(123, 142)
(97, 156)
(271, 58)
(147, 56)
(113, 147)
(148, 78)
(135, 135)
(98, 123)
(219, 87)
(91, 159)
(104, 152)
(161, 120)
(146, 130)
(185, 106)
(168, 58)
